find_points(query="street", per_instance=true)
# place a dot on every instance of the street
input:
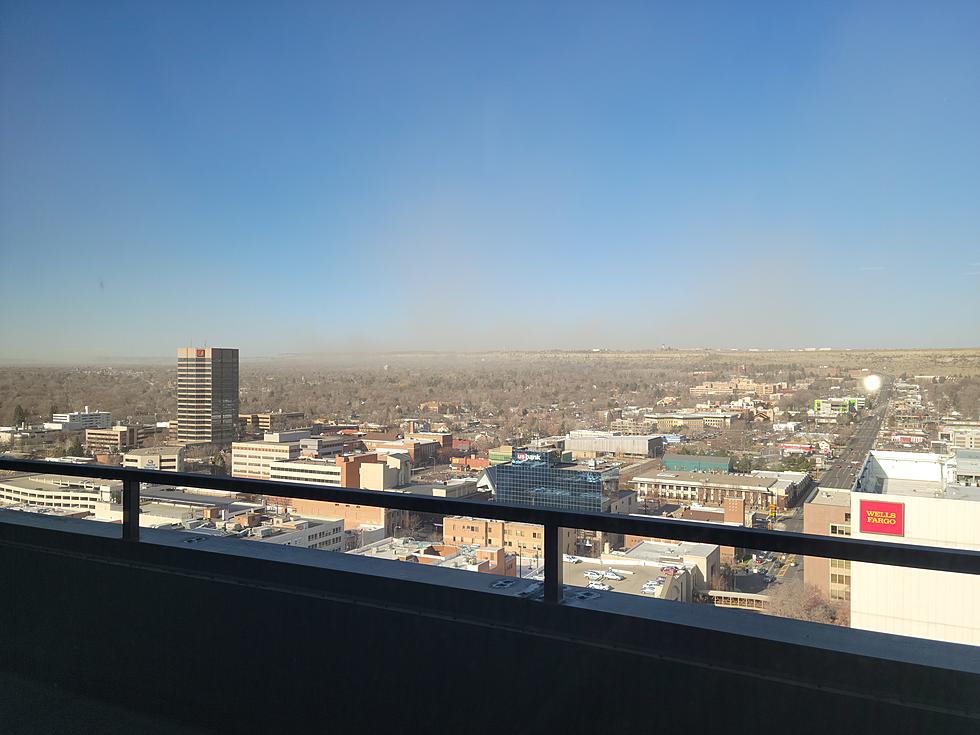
(843, 471)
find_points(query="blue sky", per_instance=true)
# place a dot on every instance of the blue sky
(299, 177)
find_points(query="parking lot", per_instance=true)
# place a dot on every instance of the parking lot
(634, 578)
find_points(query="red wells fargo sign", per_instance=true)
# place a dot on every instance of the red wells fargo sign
(879, 517)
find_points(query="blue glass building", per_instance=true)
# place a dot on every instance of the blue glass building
(541, 479)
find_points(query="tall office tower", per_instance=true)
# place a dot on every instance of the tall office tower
(207, 395)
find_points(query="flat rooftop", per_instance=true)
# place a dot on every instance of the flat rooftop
(654, 551)
(634, 576)
(585, 467)
(967, 461)
(712, 478)
(263, 443)
(928, 489)
(831, 496)
(315, 461)
(52, 481)
(153, 451)
(693, 415)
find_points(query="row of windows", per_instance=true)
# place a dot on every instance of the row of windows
(297, 471)
(840, 579)
(840, 563)
(840, 529)
(17, 496)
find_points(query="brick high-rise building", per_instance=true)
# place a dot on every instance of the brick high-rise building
(207, 395)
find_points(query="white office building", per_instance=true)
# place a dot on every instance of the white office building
(79, 420)
(914, 498)
(585, 444)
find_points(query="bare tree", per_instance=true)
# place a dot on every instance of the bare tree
(806, 602)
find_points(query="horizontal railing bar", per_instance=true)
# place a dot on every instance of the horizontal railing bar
(876, 552)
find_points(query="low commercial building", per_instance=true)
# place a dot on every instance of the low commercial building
(828, 513)
(459, 488)
(269, 420)
(419, 451)
(788, 487)
(358, 519)
(443, 438)
(710, 488)
(669, 422)
(732, 513)
(787, 426)
(960, 433)
(167, 459)
(102, 500)
(589, 444)
(713, 388)
(470, 463)
(842, 405)
(633, 425)
(328, 445)
(702, 561)
(525, 539)
(486, 559)
(697, 463)
(967, 466)
(736, 386)
(114, 440)
(57, 491)
(28, 437)
(325, 534)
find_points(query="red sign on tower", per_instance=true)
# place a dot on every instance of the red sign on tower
(881, 517)
(200, 353)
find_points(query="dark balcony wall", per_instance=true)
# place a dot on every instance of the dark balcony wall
(242, 643)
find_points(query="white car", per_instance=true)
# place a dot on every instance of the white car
(569, 559)
(612, 575)
(593, 575)
(599, 586)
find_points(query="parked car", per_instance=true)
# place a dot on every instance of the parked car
(612, 575)
(593, 575)
(599, 586)
(569, 559)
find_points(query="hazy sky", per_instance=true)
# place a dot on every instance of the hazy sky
(296, 177)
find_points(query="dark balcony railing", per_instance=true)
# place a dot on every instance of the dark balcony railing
(876, 552)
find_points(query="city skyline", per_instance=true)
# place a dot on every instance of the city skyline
(587, 177)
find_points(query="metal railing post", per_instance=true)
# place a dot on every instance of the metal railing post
(131, 510)
(553, 582)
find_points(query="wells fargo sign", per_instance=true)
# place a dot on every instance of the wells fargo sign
(878, 517)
